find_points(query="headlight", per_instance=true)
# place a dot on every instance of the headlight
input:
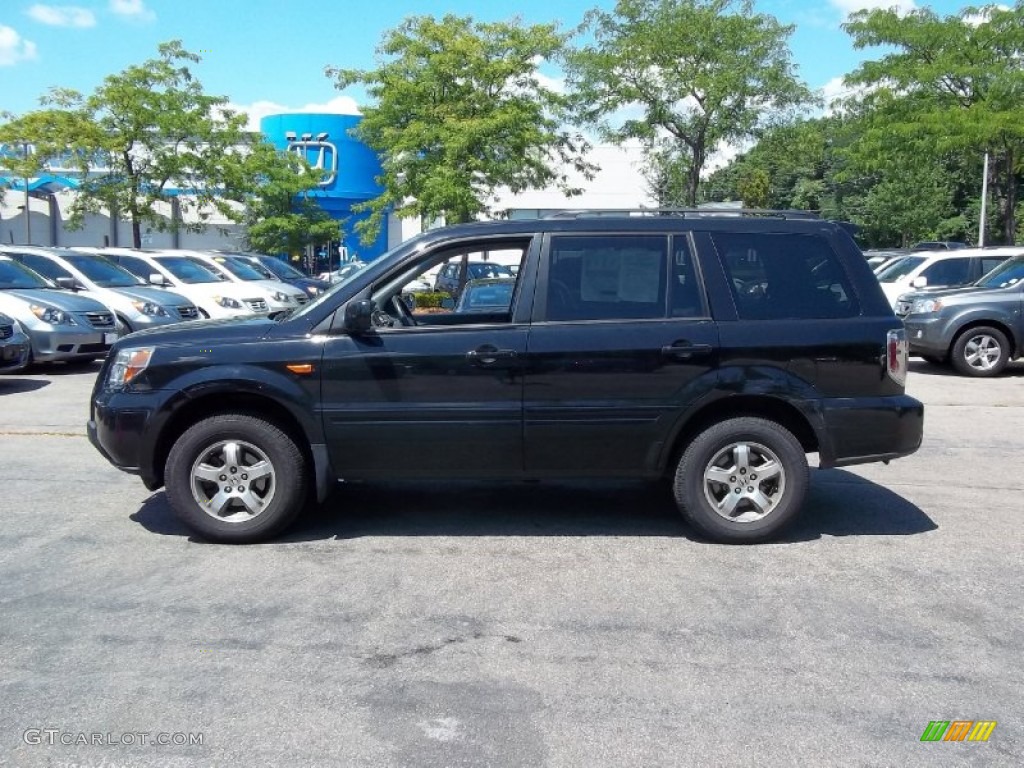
(128, 364)
(924, 306)
(284, 298)
(227, 301)
(52, 315)
(149, 308)
(313, 290)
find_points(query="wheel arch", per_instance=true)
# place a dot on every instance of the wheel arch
(984, 322)
(213, 403)
(767, 407)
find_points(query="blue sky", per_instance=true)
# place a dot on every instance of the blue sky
(267, 55)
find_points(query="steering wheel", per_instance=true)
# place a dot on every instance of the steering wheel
(401, 310)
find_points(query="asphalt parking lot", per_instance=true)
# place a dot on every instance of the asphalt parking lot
(524, 625)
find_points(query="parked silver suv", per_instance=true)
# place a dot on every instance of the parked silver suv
(136, 304)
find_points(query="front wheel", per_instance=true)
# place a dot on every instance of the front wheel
(236, 478)
(742, 480)
(981, 351)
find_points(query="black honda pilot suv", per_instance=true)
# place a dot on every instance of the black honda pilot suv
(714, 351)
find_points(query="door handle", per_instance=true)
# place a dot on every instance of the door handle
(684, 350)
(488, 355)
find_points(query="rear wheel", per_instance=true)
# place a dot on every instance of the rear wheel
(981, 352)
(742, 480)
(236, 478)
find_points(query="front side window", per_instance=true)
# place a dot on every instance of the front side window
(947, 272)
(615, 277)
(138, 267)
(775, 276)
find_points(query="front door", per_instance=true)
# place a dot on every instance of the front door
(438, 393)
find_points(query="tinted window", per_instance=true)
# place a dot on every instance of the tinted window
(236, 267)
(607, 277)
(989, 263)
(779, 276)
(101, 271)
(684, 290)
(1006, 274)
(188, 271)
(13, 275)
(280, 268)
(948, 272)
(137, 267)
(481, 271)
(44, 266)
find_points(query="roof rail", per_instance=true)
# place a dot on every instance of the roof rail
(694, 213)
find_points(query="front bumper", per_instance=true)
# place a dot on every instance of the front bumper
(14, 352)
(54, 343)
(863, 430)
(926, 335)
(118, 425)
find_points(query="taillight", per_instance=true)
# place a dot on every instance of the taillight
(896, 355)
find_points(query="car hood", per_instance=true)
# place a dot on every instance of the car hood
(938, 293)
(65, 300)
(152, 295)
(204, 331)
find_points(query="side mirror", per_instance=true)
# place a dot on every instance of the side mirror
(68, 283)
(157, 279)
(359, 317)
(919, 282)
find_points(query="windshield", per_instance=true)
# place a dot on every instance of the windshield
(1006, 274)
(104, 273)
(238, 268)
(901, 268)
(13, 275)
(280, 268)
(188, 271)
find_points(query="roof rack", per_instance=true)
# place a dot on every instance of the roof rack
(694, 213)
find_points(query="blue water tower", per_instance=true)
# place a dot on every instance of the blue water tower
(350, 169)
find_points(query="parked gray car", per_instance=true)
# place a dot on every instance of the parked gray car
(14, 345)
(59, 324)
(135, 304)
(978, 329)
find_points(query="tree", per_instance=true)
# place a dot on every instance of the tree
(701, 72)
(952, 85)
(280, 215)
(460, 110)
(141, 137)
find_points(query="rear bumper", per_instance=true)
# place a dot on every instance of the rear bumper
(863, 430)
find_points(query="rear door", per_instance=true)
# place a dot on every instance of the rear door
(621, 333)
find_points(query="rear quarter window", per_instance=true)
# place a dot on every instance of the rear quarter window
(777, 276)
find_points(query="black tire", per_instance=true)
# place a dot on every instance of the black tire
(966, 347)
(290, 478)
(762, 437)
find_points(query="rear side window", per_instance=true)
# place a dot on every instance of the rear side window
(618, 277)
(782, 276)
(42, 265)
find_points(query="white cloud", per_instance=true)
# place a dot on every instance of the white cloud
(852, 6)
(135, 10)
(339, 105)
(62, 15)
(983, 15)
(13, 48)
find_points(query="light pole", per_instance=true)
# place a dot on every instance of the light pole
(984, 204)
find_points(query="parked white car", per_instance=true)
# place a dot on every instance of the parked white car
(280, 295)
(135, 303)
(940, 269)
(214, 294)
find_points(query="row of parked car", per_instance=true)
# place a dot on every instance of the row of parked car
(960, 306)
(71, 304)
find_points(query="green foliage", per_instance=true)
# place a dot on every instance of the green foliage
(430, 299)
(460, 110)
(700, 72)
(753, 188)
(280, 214)
(946, 87)
(155, 129)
